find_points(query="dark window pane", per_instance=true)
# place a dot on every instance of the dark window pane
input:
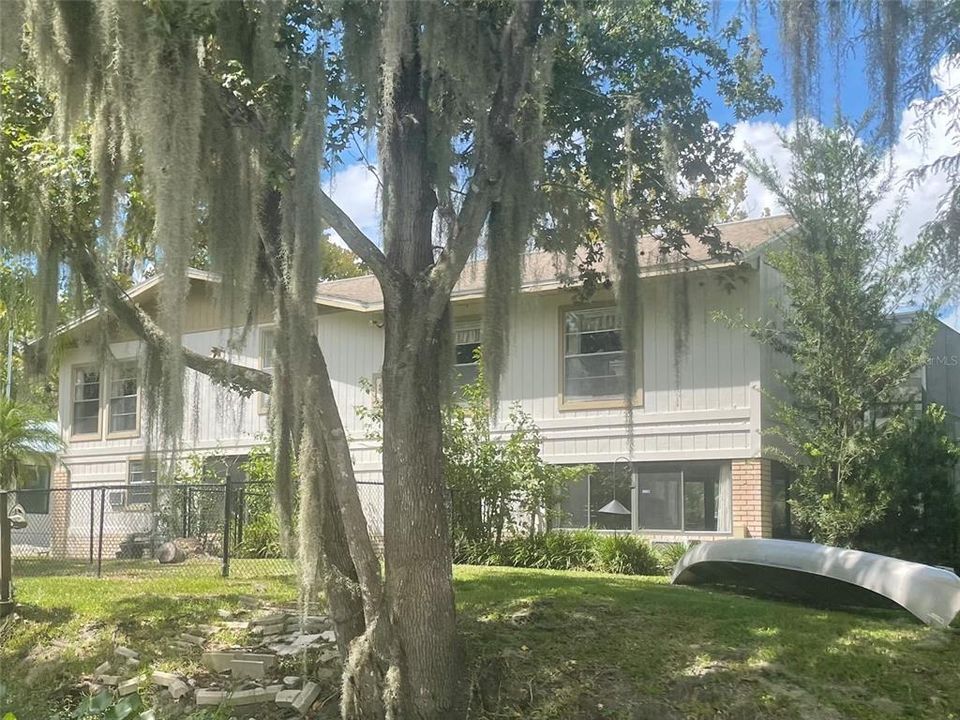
(659, 500)
(573, 509)
(34, 483)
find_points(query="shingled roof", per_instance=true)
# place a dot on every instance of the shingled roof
(544, 271)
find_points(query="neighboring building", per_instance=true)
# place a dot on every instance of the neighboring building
(698, 467)
(33, 485)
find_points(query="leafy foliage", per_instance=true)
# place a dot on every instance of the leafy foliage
(557, 550)
(850, 355)
(922, 520)
(902, 40)
(499, 484)
(23, 435)
(670, 554)
(261, 533)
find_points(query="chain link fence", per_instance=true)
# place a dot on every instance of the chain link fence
(226, 529)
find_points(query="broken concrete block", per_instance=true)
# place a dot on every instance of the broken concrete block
(194, 639)
(217, 661)
(163, 679)
(248, 668)
(306, 698)
(224, 613)
(128, 687)
(178, 689)
(268, 660)
(127, 653)
(285, 698)
(210, 697)
(147, 715)
(329, 636)
(292, 681)
(102, 668)
(328, 656)
(276, 629)
(112, 680)
(240, 697)
(271, 619)
(235, 625)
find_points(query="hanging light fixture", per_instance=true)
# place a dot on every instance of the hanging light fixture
(615, 507)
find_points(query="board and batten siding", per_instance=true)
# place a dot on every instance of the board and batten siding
(701, 403)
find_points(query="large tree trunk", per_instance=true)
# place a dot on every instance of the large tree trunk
(419, 576)
(417, 553)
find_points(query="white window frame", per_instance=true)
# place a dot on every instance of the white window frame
(265, 361)
(605, 401)
(74, 372)
(458, 327)
(114, 374)
(148, 466)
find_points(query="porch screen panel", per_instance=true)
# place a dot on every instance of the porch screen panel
(660, 500)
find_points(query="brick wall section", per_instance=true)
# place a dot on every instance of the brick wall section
(752, 498)
(59, 512)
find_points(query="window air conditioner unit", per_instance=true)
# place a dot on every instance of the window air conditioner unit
(117, 498)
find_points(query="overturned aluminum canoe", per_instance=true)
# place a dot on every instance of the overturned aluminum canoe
(824, 575)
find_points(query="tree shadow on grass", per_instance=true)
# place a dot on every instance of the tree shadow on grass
(550, 645)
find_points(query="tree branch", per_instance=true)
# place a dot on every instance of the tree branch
(237, 112)
(517, 46)
(240, 378)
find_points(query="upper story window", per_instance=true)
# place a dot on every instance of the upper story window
(268, 355)
(268, 351)
(124, 399)
(593, 358)
(466, 339)
(141, 481)
(86, 401)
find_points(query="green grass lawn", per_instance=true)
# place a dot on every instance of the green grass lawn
(541, 645)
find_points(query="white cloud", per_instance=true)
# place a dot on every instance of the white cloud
(356, 190)
(909, 152)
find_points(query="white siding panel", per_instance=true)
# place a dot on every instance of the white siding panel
(704, 404)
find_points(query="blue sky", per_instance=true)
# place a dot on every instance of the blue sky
(355, 188)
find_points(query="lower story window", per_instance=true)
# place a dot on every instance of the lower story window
(141, 481)
(679, 497)
(33, 485)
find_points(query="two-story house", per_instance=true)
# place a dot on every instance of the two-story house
(696, 463)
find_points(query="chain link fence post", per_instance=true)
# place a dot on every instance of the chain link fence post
(225, 565)
(103, 495)
(6, 557)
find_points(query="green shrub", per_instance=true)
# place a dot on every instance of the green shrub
(580, 550)
(550, 551)
(624, 555)
(669, 555)
(476, 552)
(261, 538)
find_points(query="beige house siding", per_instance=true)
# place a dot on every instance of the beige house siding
(699, 393)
